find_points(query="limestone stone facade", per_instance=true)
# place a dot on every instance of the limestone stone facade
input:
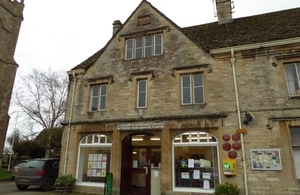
(243, 63)
(10, 22)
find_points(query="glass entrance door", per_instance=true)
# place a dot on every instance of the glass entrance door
(143, 158)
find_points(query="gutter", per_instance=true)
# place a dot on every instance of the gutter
(256, 45)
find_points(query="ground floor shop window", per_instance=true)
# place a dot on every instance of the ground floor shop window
(93, 159)
(195, 162)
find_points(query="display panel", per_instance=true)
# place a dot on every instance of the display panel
(265, 159)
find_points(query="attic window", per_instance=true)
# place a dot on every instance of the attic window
(143, 20)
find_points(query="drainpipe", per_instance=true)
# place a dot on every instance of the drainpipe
(232, 60)
(70, 121)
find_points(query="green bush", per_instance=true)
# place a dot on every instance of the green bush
(227, 189)
(65, 180)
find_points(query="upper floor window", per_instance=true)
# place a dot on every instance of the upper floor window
(98, 97)
(292, 71)
(146, 46)
(192, 91)
(142, 94)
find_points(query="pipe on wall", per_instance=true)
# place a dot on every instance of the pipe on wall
(232, 61)
(70, 121)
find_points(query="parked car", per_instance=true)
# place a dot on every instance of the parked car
(15, 168)
(38, 172)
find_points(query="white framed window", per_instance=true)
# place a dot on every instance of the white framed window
(295, 143)
(195, 162)
(146, 46)
(192, 89)
(98, 97)
(292, 73)
(93, 162)
(142, 93)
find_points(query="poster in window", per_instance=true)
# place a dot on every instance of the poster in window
(185, 175)
(196, 174)
(206, 184)
(104, 157)
(266, 159)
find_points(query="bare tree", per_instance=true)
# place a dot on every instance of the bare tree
(42, 95)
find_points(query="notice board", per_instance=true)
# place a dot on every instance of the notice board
(266, 159)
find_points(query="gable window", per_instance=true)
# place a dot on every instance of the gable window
(292, 71)
(295, 143)
(142, 94)
(146, 46)
(192, 89)
(98, 97)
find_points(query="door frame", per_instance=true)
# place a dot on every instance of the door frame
(127, 169)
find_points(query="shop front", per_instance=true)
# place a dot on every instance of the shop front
(148, 160)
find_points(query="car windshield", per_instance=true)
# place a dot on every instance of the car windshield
(34, 164)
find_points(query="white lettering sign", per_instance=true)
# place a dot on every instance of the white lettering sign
(136, 126)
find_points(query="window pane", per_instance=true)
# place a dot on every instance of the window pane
(292, 78)
(94, 97)
(295, 135)
(158, 44)
(198, 88)
(198, 80)
(186, 89)
(129, 49)
(103, 97)
(186, 81)
(94, 155)
(204, 163)
(296, 152)
(139, 48)
(142, 85)
(148, 46)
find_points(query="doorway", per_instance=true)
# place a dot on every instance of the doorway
(140, 153)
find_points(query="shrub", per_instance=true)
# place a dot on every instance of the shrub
(65, 180)
(227, 189)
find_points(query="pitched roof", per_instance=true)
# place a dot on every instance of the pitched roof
(247, 30)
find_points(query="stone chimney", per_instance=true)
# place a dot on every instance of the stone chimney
(224, 11)
(116, 26)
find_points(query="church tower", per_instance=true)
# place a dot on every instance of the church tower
(11, 17)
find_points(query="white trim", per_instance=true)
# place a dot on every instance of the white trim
(92, 184)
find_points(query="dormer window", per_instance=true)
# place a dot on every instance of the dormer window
(141, 47)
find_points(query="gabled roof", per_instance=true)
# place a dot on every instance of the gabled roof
(254, 29)
(247, 30)
(91, 60)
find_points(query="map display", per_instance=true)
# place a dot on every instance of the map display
(265, 159)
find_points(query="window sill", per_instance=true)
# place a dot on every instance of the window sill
(194, 105)
(185, 189)
(94, 184)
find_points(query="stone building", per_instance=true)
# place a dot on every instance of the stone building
(172, 110)
(11, 16)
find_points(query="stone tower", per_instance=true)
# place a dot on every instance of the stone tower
(11, 17)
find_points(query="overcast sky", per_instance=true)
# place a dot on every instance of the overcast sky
(62, 33)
